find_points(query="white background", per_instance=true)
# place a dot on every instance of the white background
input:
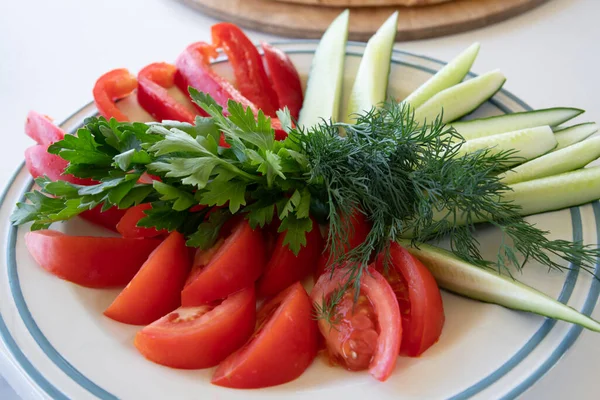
(51, 53)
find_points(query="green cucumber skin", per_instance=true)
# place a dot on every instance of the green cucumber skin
(489, 126)
(574, 134)
(370, 86)
(447, 101)
(451, 74)
(557, 162)
(474, 282)
(322, 101)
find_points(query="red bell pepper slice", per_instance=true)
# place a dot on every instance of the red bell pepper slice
(152, 94)
(112, 86)
(250, 75)
(285, 78)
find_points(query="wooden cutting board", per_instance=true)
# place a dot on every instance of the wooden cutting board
(310, 21)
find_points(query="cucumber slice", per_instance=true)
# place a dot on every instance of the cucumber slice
(452, 74)
(481, 127)
(468, 280)
(461, 99)
(529, 143)
(556, 192)
(371, 82)
(573, 134)
(324, 87)
(568, 159)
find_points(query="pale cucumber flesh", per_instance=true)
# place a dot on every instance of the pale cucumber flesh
(324, 87)
(371, 82)
(452, 74)
(567, 159)
(482, 127)
(573, 134)
(528, 143)
(474, 282)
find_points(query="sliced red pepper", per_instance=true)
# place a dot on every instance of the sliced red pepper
(250, 76)
(112, 86)
(152, 94)
(285, 78)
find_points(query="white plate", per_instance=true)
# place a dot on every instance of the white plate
(58, 339)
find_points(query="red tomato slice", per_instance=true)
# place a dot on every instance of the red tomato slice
(237, 262)
(112, 86)
(250, 76)
(153, 82)
(359, 229)
(108, 219)
(41, 129)
(200, 337)
(39, 163)
(419, 299)
(89, 261)
(368, 333)
(128, 228)
(156, 289)
(283, 346)
(285, 268)
(286, 80)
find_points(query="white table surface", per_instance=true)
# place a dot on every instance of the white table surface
(51, 53)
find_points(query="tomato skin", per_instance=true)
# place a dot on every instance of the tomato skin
(112, 86)
(39, 163)
(108, 219)
(156, 288)
(202, 342)
(281, 349)
(153, 82)
(285, 77)
(374, 286)
(127, 225)
(285, 268)
(41, 129)
(237, 264)
(96, 262)
(423, 322)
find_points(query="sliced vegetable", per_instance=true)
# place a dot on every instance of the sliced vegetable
(481, 127)
(324, 86)
(285, 78)
(567, 159)
(200, 337)
(451, 74)
(41, 129)
(468, 280)
(231, 265)
(367, 334)
(108, 219)
(89, 261)
(460, 100)
(528, 143)
(128, 225)
(156, 288)
(573, 134)
(371, 82)
(39, 163)
(152, 94)
(250, 76)
(112, 86)
(419, 299)
(285, 268)
(282, 347)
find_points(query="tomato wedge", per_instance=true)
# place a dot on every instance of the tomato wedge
(156, 289)
(39, 163)
(113, 85)
(153, 82)
(128, 228)
(200, 337)
(285, 78)
(367, 334)
(419, 299)
(283, 346)
(41, 129)
(233, 264)
(108, 219)
(89, 261)
(285, 268)
(250, 76)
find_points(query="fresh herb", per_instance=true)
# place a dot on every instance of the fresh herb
(409, 180)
